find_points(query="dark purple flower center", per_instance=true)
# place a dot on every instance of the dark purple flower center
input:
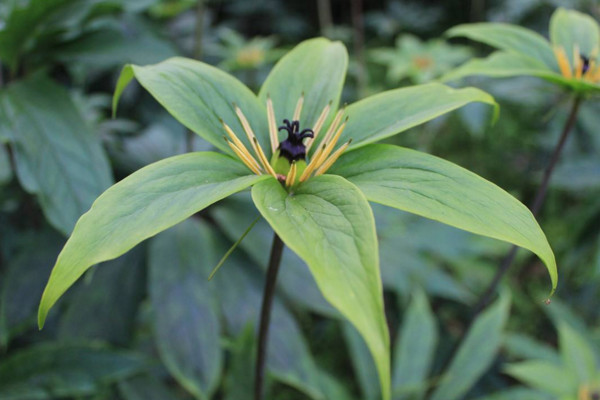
(293, 147)
(585, 63)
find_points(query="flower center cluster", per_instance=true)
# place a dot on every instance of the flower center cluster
(289, 161)
(585, 67)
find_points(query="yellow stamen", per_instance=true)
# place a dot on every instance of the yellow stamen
(333, 158)
(313, 163)
(291, 176)
(318, 126)
(298, 109)
(254, 141)
(272, 125)
(238, 143)
(263, 158)
(330, 146)
(563, 62)
(244, 157)
(334, 125)
(577, 62)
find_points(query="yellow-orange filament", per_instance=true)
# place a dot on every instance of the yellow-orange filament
(563, 62)
(298, 109)
(272, 125)
(291, 176)
(318, 126)
(249, 162)
(333, 158)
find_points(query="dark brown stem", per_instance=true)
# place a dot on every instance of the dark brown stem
(359, 46)
(536, 206)
(324, 11)
(197, 54)
(265, 315)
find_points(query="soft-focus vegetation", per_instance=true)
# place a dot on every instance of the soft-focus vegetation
(150, 325)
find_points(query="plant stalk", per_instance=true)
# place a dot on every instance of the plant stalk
(535, 208)
(265, 315)
(197, 55)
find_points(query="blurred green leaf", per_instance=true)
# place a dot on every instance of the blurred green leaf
(511, 38)
(329, 224)
(578, 355)
(434, 188)
(145, 387)
(517, 394)
(545, 376)
(22, 24)
(239, 383)
(362, 363)
(476, 352)
(388, 113)
(57, 156)
(6, 172)
(22, 283)
(140, 206)
(239, 292)
(415, 348)
(198, 95)
(317, 68)
(522, 346)
(50, 371)
(186, 315)
(105, 306)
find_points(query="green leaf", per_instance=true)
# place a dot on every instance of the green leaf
(50, 371)
(476, 353)
(145, 387)
(388, 113)
(415, 348)
(23, 23)
(362, 363)
(186, 313)
(104, 308)
(57, 155)
(6, 172)
(440, 190)
(239, 293)
(315, 67)
(544, 376)
(140, 206)
(198, 95)
(511, 38)
(517, 393)
(570, 28)
(329, 224)
(578, 355)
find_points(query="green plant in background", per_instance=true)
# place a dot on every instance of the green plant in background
(572, 374)
(315, 197)
(239, 53)
(570, 60)
(419, 61)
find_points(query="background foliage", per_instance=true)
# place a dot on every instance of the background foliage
(152, 327)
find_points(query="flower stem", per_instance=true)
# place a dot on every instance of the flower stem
(265, 314)
(536, 206)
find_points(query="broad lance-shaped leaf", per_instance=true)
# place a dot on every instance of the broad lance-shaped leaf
(317, 68)
(327, 221)
(141, 205)
(476, 352)
(186, 313)
(440, 190)
(511, 38)
(388, 113)
(57, 156)
(199, 95)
